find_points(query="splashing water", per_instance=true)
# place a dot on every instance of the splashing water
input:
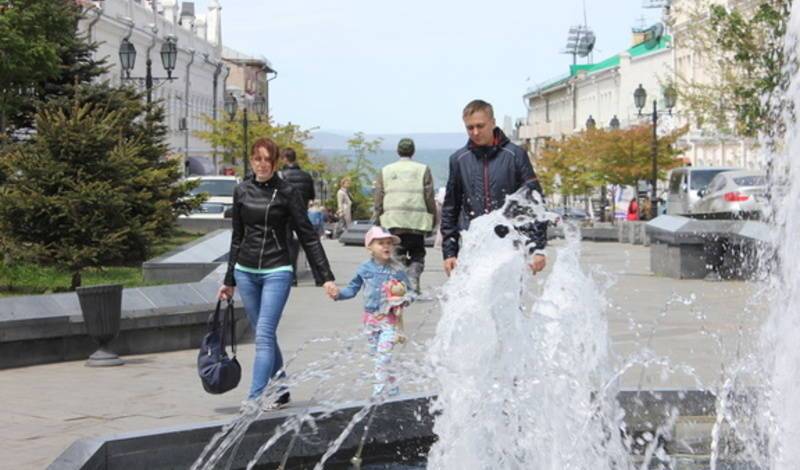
(765, 418)
(523, 387)
(781, 416)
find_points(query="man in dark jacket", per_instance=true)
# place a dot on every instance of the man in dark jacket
(482, 173)
(296, 177)
(304, 183)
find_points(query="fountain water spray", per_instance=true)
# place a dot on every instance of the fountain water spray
(780, 419)
(524, 381)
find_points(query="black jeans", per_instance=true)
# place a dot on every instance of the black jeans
(411, 248)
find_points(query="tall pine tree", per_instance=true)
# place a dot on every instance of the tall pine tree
(43, 56)
(90, 188)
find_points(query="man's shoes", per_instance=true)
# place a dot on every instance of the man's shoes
(294, 282)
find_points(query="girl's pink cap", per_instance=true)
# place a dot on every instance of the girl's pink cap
(378, 233)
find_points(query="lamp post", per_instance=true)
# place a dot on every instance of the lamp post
(640, 99)
(169, 58)
(231, 106)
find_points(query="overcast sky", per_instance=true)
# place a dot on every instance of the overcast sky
(411, 66)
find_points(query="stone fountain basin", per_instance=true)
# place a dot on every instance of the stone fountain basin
(403, 426)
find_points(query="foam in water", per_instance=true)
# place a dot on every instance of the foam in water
(524, 380)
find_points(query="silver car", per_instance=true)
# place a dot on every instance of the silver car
(734, 192)
(686, 184)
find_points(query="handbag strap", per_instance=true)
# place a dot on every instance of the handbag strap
(213, 320)
(221, 325)
(229, 312)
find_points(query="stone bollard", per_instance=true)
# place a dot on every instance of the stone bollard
(645, 238)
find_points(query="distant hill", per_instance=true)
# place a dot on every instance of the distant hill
(436, 159)
(432, 141)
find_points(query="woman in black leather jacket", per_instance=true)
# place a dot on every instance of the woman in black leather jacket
(264, 208)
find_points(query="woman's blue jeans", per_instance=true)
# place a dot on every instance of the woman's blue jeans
(264, 296)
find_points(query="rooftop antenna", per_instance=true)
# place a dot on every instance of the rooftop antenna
(663, 4)
(580, 39)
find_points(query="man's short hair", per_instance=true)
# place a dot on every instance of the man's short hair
(478, 105)
(289, 154)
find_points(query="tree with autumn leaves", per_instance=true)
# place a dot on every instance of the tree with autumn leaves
(578, 164)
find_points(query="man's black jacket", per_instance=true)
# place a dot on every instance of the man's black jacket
(300, 180)
(479, 181)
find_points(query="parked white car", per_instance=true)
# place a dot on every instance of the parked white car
(735, 193)
(220, 196)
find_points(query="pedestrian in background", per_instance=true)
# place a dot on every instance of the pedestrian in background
(405, 205)
(264, 207)
(633, 210)
(482, 174)
(344, 205)
(316, 217)
(304, 184)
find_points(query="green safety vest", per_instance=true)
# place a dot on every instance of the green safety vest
(404, 197)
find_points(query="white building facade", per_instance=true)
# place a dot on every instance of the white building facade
(605, 89)
(706, 147)
(198, 87)
(601, 91)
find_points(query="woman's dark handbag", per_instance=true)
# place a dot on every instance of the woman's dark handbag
(218, 372)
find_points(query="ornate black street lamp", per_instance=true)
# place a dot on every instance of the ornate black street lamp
(169, 58)
(232, 106)
(127, 57)
(640, 99)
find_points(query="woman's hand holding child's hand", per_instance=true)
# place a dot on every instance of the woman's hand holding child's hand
(331, 289)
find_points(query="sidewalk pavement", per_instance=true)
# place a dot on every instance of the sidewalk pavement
(45, 408)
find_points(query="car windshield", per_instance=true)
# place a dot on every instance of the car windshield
(755, 180)
(701, 178)
(210, 208)
(215, 188)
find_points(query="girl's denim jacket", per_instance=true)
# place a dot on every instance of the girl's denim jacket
(372, 276)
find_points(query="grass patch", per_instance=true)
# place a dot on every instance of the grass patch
(30, 279)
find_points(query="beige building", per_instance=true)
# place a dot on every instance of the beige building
(705, 147)
(602, 91)
(249, 77)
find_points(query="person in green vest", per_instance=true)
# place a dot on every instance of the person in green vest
(405, 205)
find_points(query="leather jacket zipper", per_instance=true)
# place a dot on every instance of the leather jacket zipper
(266, 220)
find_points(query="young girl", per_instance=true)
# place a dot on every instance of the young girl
(385, 288)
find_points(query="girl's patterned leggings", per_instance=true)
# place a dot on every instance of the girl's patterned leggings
(381, 339)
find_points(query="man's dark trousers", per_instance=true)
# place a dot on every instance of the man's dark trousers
(411, 251)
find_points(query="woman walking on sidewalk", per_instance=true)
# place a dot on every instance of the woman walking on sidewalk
(344, 204)
(264, 208)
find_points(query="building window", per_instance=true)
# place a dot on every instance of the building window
(547, 110)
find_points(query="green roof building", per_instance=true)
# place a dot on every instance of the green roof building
(601, 90)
